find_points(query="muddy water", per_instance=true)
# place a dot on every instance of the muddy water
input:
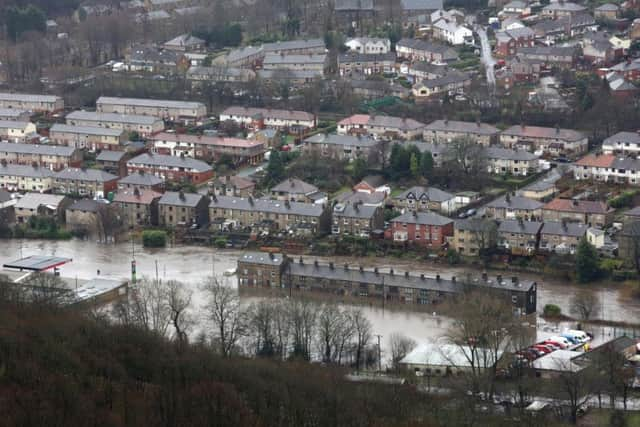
(191, 264)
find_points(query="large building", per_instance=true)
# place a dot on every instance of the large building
(179, 209)
(143, 125)
(240, 151)
(89, 137)
(445, 131)
(342, 147)
(555, 141)
(85, 182)
(54, 157)
(30, 102)
(272, 270)
(265, 214)
(171, 168)
(269, 117)
(25, 178)
(616, 169)
(426, 229)
(169, 110)
(386, 127)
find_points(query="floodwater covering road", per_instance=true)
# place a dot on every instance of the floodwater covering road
(191, 264)
(487, 57)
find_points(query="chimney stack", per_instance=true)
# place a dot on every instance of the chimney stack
(484, 276)
(422, 276)
(391, 271)
(514, 280)
(453, 279)
(361, 269)
(499, 278)
(300, 261)
(315, 263)
(406, 274)
(375, 270)
(331, 265)
(437, 277)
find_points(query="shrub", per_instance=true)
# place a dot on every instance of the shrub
(552, 310)
(220, 242)
(154, 238)
(453, 257)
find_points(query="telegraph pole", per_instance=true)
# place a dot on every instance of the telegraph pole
(379, 354)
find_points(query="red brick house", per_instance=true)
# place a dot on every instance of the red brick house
(426, 229)
(171, 168)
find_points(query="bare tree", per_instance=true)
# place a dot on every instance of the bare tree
(400, 346)
(585, 305)
(109, 222)
(576, 384)
(260, 328)
(179, 303)
(330, 321)
(226, 314)
(302, 318)
(45, 288)
(362, 333)
(146, 306)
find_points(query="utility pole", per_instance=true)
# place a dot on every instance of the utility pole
(379, 354)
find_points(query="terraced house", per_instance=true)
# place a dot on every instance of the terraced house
(179, 209)
(561, 237)
(25, 178)
(210, 148)
(30, 102)
(85, 182)
(54, 157)
(426, 229)
(519, 237)
(592, 213)
(171, 168)
(138, 207)
(611, 168)
(16, 131)
(386, 127)
(514, 207)
(342, 147)
(265, 214)
(624, 143)
(420, 50)
(503, 161)
(89, 137)
(555, 141)
(356, 219)
(445, 131)
(165, 109)
(143, 125)
(267, 117)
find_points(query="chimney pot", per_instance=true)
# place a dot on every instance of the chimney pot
(514, 279)
(484, 276)
(315, 263)
(346, 266)
(422, 276)
(499, 278)
(406, 274)
(453, 279)
(300, 261)
(331, 265)
(391, 271)
(375, 270)
(361, 269)
(437, 277)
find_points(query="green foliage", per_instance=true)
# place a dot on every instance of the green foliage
(220, 242)
(426, 164)
(275, 169)
(406, 162)
(552, 310)
(22, 20)
(41, 227)
(414, 165)
(358, 169)
(587, 265)
(229, 35)
(453, 257)
(624, 200)
(154, 238)
(389, 214)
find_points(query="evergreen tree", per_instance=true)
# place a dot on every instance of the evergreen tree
(426, 164)
(414, 165)
(586, 262)
(275, 169)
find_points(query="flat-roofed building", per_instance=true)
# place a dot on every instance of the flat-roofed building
(25, 178)
(555, 141)
(31, 102)
(171, 168)
(143, 125)
(17, 131)
(54, 157)
(269, 117)
(444, 131)
(166, 109)
(89, 137)
(85, 182)
(210, 148)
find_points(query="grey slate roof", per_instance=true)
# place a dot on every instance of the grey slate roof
(33, 200)
(12, 124)
(47, 150)
(520, 227)
(94, 175)
(110, 156)
(5, 96)
(633, 212)
(262, 258)
(174, 198)
(473, 224)
(277, 59)
(462, 127)
(423, 218)
(85, 205)
(5, 196)
(170, 161)
(141, 102)
(345, 140)
(266, 205)
(141, 179)
(112, 117)
(344, 5)
(366, 57)
(508, 154)
(418, 44)
(350, 196)
(413, 5)
(571, 229)
(350, 210)
(25, 171)
(515, 202)
(89, 130)
(627, 163)
(424, 193)
(623, 137)
(294, 44)
(294, 186)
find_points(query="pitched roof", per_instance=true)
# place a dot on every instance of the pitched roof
(13, 124)
(266, 205)
(156, 103)
(558, 228)
(268, 113)
(146, 179)
(509, 154)
(423, 218)
(89, 130)
(94, 175)
(27, 97)
(24, 170)
(438, 48)
(515, 202)
(582, 206)
(213, 141)
(364, 198)
(564, 6)
(176, 198)
(33, 200)
(110, 156)
(374, 181)
(46, 150)
(344, 140)
(607, 7)
(425, 193)
(474, 224)
(85, 205)
(623, 137)
(366, 57)
(477, 128)
(421, 5)
(143, 197)
(5, 196)
(543, 132)
(112, 117)
(521, 227)
(350, 210)
(278, 59)
(353, 5)
(400, 123)
(294, 186)
(266, 258)
(633, 212)
(184, 40)
(596, 160)
(170, 161)
(294, 45)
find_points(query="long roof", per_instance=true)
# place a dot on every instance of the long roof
(13, 124)
(623, 137)
(275, 58)
(266, 205)
(543, 132)
(294, 186)
(382, 121)
(28, 97)
(477, 128)
(146, 179)
(45, 150)
(344, 140)
(144, 197)
(176, 198)
(85, 175)
(88, 130)
(25, 171)
(445, 355)
(294, 44)
(520, 227)
(581, 206)
(426, 193)
(170, 161)
(112, 117)
(142, 102)
(268, 113)
(264, 258)
(207, 140)
(515, 202)
(350, 210)
(12, 112)
(557, 228)
(508, 154)
(33, 200)
(424, 5)
(366, 57)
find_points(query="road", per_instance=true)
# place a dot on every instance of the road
(487, 57)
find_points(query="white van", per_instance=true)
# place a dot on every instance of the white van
(562, 340)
